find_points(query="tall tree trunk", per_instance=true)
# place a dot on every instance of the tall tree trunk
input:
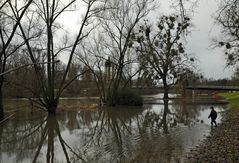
(113, 93)
(1, 103)
(165, 86)
(1, 135)
(112, 96)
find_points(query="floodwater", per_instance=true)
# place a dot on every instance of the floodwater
(152, 133)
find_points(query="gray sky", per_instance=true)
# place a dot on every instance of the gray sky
(211, 62)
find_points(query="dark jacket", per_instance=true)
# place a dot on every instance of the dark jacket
(213, 114)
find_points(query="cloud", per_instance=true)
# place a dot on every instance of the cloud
(211, 61)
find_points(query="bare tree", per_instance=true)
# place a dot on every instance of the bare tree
(228, 19)
(103, 68)
(113, 51)
(184, 7)
(47, 14)
(162, 50)
(8, 28)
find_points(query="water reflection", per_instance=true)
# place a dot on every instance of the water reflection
(50, 131)
(154, 133)
(18, 135)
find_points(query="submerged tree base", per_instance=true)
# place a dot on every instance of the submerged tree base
(52, 110)
(52, 106)
(51, 113)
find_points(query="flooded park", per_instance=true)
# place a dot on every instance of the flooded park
(159, 131)
(119, 81)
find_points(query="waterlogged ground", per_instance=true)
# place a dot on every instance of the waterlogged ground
(162, 132)
(222, 145)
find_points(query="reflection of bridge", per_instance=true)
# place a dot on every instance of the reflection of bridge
(213, 87)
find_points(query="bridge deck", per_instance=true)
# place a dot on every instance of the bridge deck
(210, 87)
(199, 87)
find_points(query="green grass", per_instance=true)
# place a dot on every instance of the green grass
(232, 98)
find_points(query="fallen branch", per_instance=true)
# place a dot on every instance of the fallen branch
(5, 119)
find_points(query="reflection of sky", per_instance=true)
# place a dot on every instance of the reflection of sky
(134, 143)
(158, 98)
(188, 137)
(182, 137)
(160, 95)
(204, 111)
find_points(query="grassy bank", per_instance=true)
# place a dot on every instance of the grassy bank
(232, 98)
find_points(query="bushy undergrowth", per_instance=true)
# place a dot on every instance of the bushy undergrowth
(129, 97)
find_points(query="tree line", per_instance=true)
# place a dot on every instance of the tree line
(114, 42)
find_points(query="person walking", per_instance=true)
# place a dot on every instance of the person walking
(213, 116)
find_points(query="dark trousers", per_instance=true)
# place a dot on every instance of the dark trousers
(213, 121)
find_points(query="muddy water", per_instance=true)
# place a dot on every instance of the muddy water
(153, 133)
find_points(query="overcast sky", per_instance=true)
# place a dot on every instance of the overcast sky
(211, 62)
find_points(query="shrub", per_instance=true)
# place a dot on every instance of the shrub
(128, 97)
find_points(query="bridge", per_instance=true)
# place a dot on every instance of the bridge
(196, 87)
(213, 87)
